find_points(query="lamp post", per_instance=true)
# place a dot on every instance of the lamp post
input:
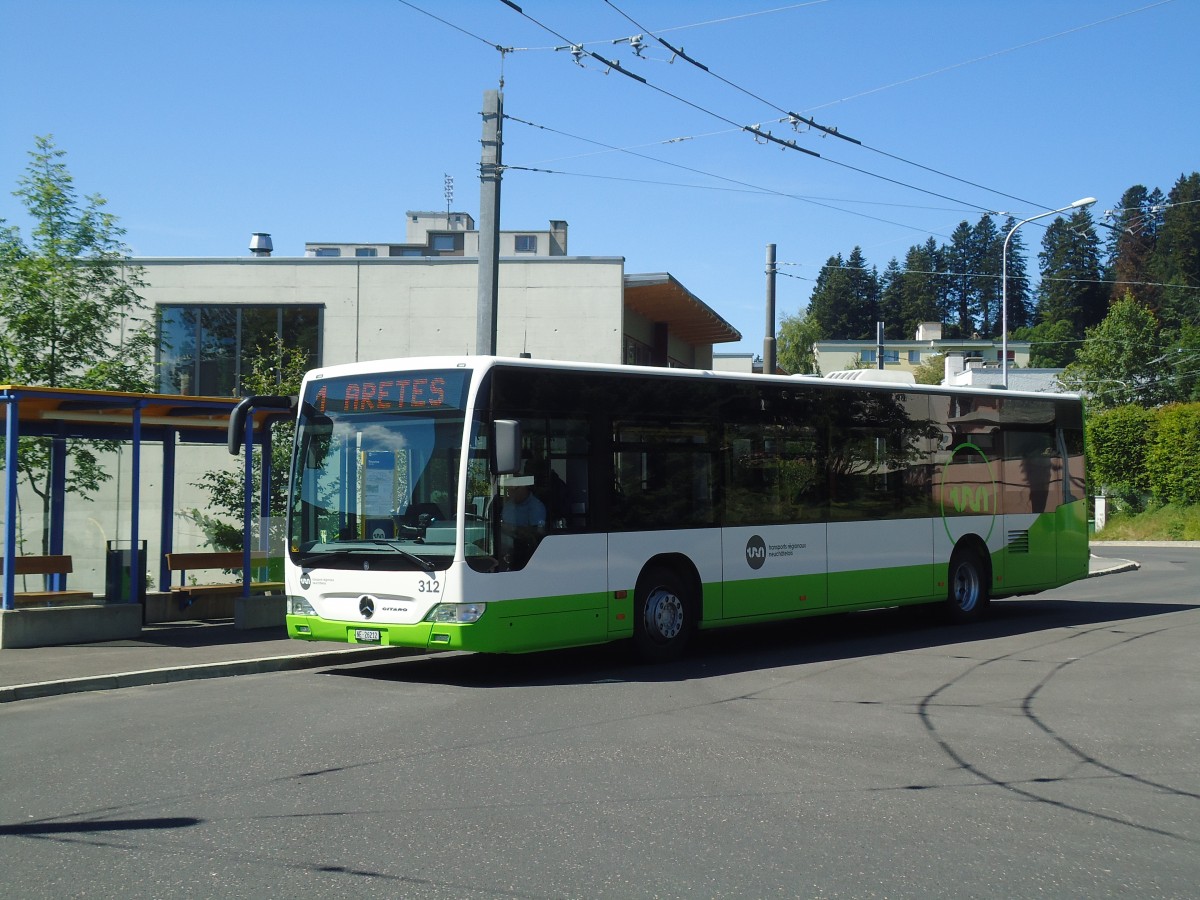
(1086, 201)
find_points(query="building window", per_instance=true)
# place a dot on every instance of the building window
(889, 356)
(365, 251)
(914, 357)
(329, 251)
(205, 350)
(526, 243)
(442, 243)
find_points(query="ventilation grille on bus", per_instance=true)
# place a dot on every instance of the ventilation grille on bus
(1018, 542)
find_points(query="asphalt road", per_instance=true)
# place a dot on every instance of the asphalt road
(1053, 751)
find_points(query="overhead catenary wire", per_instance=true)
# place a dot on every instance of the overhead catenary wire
(725, 178)
(792, 118)
(753, 129)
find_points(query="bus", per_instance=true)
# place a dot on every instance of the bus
(513, 505)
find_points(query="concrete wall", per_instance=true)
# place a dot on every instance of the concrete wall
(552, 307)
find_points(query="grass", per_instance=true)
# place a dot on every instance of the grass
(1164, 523)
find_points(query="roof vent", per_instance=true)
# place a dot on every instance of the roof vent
(260, 244)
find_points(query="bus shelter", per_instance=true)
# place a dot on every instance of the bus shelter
(62, 415)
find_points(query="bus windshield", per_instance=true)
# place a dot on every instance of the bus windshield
(375, 475)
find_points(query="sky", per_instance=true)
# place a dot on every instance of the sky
(203, 122)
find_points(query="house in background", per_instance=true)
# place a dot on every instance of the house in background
(833, 356)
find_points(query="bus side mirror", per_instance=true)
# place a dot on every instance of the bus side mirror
(507, 446)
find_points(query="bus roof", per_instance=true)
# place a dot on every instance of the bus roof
(851, 380)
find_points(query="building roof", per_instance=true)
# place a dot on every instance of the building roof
(659, 297)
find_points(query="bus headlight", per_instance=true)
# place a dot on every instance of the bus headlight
(457, 613)
(298, 606)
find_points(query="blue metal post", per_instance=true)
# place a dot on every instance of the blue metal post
(135, 501)
(248, 503)
(167, 524)
(11, 435)
(58, 493)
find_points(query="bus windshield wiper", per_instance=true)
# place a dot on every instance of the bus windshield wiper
(316, 555)
(411, 557)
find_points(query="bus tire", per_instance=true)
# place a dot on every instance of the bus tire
(967, 596)
(664, 615)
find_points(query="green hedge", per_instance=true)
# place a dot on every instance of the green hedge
(1173, 460)
(1134, 453)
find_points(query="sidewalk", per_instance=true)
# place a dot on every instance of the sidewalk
(191, 650)
(179, 651)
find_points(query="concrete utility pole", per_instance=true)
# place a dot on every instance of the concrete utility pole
(490, 169)
(878, 345)
(769, 340)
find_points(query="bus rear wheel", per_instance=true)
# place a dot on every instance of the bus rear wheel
(664, 615)
(967, 597)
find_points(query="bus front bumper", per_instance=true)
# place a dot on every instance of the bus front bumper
(510, 627)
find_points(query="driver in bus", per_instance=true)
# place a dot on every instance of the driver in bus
(522, 520)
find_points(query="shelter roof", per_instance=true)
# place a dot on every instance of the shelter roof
(109, 415)
(660, 297)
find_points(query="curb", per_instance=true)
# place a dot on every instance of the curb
(1123, 565)
(38, 689)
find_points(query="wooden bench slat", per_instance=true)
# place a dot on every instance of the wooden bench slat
(41, 565)
(31, 598)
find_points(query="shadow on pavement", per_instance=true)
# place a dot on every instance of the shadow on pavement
(756, 647)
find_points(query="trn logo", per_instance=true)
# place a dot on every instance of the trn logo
(756, 552)
(968, 488)
(979, 501)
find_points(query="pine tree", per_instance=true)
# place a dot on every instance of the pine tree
(1131, 246)
(1020, 312)
(863, 311)
(923, 289)
(1176, 258)
(891, 301)
(844, 302)
(1071, 290)
(987, 244)
(830, 295)
(960, 256)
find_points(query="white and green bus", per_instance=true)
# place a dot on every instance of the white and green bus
(512, 505)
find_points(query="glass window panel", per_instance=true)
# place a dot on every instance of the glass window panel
(260, 325)
(218, 349)
(302, 332)
(177, 349)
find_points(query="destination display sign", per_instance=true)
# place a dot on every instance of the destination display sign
(389, 392)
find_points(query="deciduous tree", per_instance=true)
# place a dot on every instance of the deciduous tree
(68, 311)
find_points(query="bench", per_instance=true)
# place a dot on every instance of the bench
(215, 559)
(44, 565)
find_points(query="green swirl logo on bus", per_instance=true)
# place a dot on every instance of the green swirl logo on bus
(968, 488)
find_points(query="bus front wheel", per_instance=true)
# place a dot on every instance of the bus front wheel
(664, 615)
(967, 587)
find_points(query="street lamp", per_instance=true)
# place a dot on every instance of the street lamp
(1086, 201)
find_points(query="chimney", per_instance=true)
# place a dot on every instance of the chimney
(558, 237)
(260, 244)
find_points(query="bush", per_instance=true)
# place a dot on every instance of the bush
(1171, 460)
(1118, 441)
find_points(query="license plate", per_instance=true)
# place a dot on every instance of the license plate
(366, 635)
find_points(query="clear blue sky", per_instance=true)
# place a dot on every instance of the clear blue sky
(202, 122)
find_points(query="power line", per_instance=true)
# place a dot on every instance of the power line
(753, 129)
(754, 187)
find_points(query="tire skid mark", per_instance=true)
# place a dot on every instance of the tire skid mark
(927, 705)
